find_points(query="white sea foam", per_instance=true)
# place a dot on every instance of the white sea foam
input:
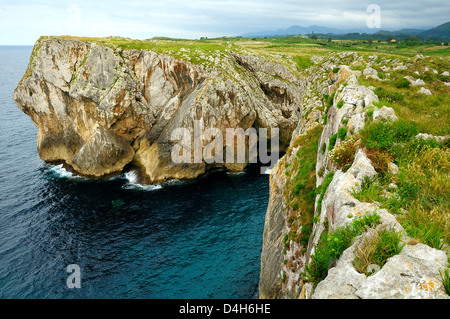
(236, 173)
(132, 178)
(61, 172)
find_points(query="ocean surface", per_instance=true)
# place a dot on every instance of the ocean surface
(199, 239)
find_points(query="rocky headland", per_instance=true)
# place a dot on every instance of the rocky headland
(101, 106)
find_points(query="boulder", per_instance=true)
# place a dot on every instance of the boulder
(415, 82)
(384, 114)
(424, 91)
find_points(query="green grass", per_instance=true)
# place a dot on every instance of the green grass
(422, 196)
(430, 113)
(376, 248)
(332, 141)
(343, 155)
(445, 276)
(342, 132)
(402, 84)
(303, 62)
(387, 135)
(323, 188)
(300, 185)
(332, 245)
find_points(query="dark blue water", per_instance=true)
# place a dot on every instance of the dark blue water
(184, 240)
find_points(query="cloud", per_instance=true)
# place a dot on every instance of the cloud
(25, 21)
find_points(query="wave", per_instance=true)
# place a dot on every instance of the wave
(132, 178)
(60, 172)
(236, 173)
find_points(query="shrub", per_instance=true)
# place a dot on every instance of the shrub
(340, 104)
(380, 160)
(344, 154)
(376, 248)
(323, 188)
(336, 69)
(389, 96)
(342, 132)
(301, 181)
(321, 171)
(402, 84)
(332, 141)
(330, 101)
(384, 135)
(370, 190)
(445, 276)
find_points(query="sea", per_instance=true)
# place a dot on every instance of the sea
(198, 239)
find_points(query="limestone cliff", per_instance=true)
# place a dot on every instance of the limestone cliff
(99, 107)
(286, 255)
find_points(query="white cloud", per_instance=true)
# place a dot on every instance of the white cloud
(22, 22)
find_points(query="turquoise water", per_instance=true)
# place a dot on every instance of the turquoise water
(198, 239)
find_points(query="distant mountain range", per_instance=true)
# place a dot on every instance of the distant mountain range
(441, 32)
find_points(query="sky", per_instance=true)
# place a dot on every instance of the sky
(23, 22)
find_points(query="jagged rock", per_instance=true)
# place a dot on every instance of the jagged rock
(384, 114)
(415, 82)
(426, 136)
(400, 67)
(418, 57)
(412, 274)
(102, 153)
(424, 91)
(356, 123)
(271, 259)
(393, 168)
(371, 73)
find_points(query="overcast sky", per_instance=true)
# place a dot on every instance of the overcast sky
(23, 21)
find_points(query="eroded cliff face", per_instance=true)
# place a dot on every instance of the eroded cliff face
(292, 233)
(98, 107)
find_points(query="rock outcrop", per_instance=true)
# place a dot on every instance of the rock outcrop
(99, 107)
